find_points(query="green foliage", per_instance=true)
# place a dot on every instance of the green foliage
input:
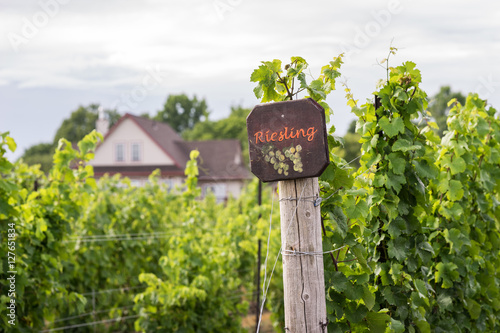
(418, 223)
(182, 112)
(414, 219)
(92, 251)
(275, 84)
(42, 221)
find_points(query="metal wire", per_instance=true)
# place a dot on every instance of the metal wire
(89, 324)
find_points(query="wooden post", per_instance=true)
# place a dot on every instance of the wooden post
(303, 277)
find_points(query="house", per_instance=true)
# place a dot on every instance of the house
(134, 147)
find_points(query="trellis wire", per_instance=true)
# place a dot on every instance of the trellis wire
(113, 290)
(129, 237)
(89, 324)
(89, 313)
(297, 253)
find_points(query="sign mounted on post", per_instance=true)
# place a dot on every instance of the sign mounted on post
(287, 140)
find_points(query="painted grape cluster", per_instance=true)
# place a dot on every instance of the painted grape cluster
(279, 158)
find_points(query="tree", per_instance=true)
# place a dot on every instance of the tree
(145, 115)
(82, 121)
(40, 154)
(351, 149)
(232, 127)
(182, 112)
(438, 106)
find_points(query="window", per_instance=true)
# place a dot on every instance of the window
(168, 182)
(136, 182)
(136, 152)
(219, 190)
(120, 152)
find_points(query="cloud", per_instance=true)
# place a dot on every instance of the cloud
(210, 47)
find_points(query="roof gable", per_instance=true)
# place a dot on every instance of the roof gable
(161, 134)
(128, 134)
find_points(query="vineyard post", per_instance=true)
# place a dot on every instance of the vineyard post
(288, 143)
(303, 277)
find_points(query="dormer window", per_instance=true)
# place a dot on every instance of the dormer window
(120, 152)
(135, 152)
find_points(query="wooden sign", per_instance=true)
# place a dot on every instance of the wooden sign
(287, 140)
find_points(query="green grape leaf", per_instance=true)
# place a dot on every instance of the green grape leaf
(360, 253)
(373, 160)
(396, 326)
(368, 297)
(389, 295)
(455, 191)
(355, 312)
(423, 326)
(8, 186)
(424, 169)
(474, 308)
(457, 165)
(274, 66)
(354, 292)
(454, 238)
(392, 128)
(395, 181)
(396, 227)
(317, 90)
(396, 163)
(404, 146)
(339, 282)
(398, 248)
(483, 128)
(377, 321)
(260, 74)
(11, 143)
(446, 272)
(421, 288)
(445, 302)
(340, 219)
(357, 210)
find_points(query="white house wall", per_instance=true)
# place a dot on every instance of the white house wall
(226, 188)
(128, 133)
(234, 188)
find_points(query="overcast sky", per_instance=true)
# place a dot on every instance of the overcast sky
(59, 54)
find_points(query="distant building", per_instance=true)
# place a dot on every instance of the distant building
(134, 147)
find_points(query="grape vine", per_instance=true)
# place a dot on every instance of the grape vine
(110, 257)
(418, 223)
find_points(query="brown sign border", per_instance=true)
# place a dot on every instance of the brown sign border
(294, 156)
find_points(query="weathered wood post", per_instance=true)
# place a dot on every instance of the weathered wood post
(288, 144)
